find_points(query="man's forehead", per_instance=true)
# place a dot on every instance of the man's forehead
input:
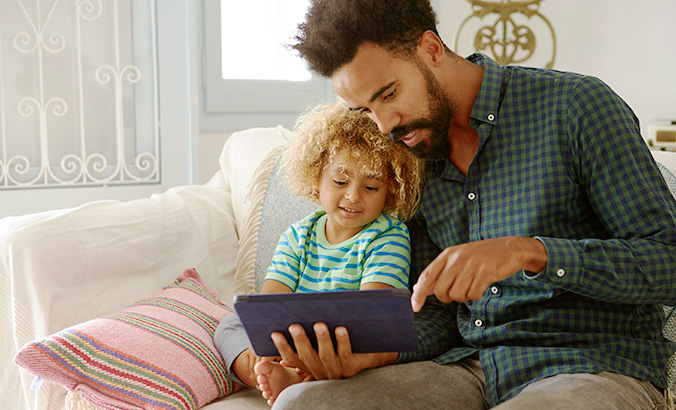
(366, 77)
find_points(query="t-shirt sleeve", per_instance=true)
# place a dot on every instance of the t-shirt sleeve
(388, 257)
(285, 265)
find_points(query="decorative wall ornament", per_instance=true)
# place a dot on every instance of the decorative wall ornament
(78, 93)
(505, 38)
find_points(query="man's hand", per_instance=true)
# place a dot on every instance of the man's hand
(327, 362)
(463, 272)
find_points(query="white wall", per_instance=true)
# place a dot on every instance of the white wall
(629, 44)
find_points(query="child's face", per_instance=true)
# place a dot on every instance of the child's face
(350, 198)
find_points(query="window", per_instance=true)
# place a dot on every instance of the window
(72, 105)
(263, 58)
(249, 77)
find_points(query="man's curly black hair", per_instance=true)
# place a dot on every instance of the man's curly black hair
(334, 29)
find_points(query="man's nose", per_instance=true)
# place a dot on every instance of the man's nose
(386, 121)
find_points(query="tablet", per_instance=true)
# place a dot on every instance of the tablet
(379, 320)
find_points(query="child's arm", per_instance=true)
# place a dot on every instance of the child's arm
(274, 286)
(374, 285)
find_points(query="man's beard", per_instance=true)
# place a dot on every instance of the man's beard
(438, 122)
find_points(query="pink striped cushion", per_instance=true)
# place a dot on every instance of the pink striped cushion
(156, 354)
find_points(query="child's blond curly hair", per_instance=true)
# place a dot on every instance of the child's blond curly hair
(332, 131)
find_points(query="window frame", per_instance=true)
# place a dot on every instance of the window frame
(239, 104)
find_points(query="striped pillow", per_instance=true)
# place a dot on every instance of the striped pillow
(156, 354)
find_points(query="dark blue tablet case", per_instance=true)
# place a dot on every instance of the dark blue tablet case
(378, 320)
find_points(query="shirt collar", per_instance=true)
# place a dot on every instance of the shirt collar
(485, 110)
(487, 102)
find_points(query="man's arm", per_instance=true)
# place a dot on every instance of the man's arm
(464, 272)
(636, 262)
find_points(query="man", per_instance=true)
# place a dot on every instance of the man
(546, 236)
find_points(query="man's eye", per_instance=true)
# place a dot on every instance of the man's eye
(389, 96)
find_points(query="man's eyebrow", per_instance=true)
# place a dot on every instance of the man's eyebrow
(374, 96)
(380, 91)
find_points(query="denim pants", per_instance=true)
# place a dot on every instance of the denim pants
(461, 386)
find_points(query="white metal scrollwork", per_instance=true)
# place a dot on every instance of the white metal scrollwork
(101, 126)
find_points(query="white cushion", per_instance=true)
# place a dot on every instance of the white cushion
(243, 152)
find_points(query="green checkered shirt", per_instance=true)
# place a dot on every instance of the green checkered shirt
(560, 159)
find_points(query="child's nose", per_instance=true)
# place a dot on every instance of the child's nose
(353, 195)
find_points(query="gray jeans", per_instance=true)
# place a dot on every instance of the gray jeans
(461, 386)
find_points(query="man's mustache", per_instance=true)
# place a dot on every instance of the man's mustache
(401, 131)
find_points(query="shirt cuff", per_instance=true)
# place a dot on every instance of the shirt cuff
(405, 357)
(563, 258)
(534, 275)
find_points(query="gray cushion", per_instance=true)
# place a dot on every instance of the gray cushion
(280, 209)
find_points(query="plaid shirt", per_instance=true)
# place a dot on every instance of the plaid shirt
(560, 159)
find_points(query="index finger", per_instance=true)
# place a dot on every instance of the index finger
(308, 358)
(425, 285)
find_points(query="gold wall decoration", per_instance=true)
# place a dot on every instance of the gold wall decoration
(506, 40)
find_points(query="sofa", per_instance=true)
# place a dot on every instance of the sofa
(87, 270)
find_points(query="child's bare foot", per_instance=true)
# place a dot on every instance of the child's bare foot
(273, 377)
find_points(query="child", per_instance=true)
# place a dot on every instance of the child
(362, 180)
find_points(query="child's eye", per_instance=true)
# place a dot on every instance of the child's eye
(338, 182)
(372, 188)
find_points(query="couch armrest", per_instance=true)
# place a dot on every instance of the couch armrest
(60, 268)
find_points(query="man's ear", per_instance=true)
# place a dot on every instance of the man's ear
(432, 48)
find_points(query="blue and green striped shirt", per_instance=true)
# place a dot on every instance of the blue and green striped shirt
(306, 262)
(560, 159)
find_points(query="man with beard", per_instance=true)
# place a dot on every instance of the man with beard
(545, 242)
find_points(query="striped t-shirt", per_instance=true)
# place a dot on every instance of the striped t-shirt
(306, 262)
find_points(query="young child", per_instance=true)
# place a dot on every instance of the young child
(366, 184)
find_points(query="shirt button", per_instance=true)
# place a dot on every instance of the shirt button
(471, 196)
(491, 117)
(560, 273)
(478, 323)
(495, 290)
